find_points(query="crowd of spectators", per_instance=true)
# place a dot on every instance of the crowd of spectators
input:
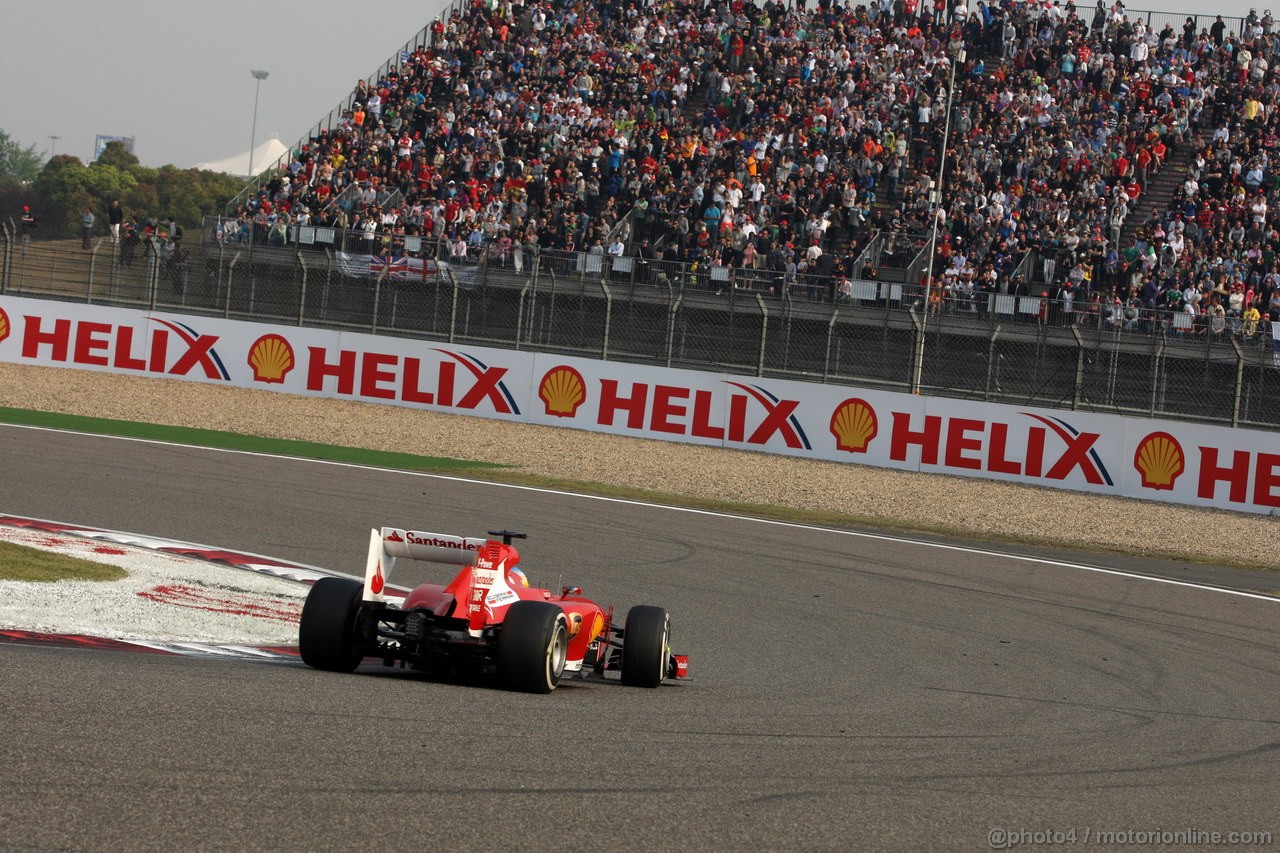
(778, 140)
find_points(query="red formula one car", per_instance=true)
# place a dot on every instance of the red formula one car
(488, 619)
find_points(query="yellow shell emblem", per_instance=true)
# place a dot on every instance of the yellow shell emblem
(562, 390)
(271, 358)
(1159, 459)
(854, 424)
(4, 325)
(597, 625)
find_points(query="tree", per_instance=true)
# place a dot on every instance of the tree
(61, 190)
(66, 187)
(189, 195)
(18, 163)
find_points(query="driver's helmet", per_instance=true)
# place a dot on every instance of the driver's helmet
(516, 577)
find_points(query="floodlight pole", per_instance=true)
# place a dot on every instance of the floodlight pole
(53, 145)
(258, 76)
(936, 192)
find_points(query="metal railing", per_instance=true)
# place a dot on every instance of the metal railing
(1023, 349)
(1156, 20)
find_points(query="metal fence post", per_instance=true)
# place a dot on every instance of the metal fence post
(377, 298)
(328, 282)
(453, 311)
(222, 252)
(671, 325)
(302, 289)
(917, 351)
(1239, 392)
(608, 319)
(991, 361)
(1079, 381)
(231, 269)
(764, 332)
(153, 274)
(1157, 356)
(831, 337)
(93, 266)
(520, 309)
(535, 279)
(6, 234)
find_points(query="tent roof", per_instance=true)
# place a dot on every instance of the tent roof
(265, 155)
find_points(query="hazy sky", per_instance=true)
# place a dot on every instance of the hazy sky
(175, 74)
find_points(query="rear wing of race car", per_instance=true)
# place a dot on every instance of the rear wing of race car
(389, 543)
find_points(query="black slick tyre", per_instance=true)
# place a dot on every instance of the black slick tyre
(645, 641)
(327, 630)
(533, 646)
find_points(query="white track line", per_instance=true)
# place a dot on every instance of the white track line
(880, 537)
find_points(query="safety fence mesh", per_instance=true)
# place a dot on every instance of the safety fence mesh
(1016, 349)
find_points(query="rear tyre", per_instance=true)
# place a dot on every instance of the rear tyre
(645, 644)
(327, 631)
(533, 646)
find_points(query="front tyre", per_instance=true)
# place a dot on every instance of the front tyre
(533, 646)
(327, 631)
(645, 646)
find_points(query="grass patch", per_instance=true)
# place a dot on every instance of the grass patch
(20, 563)
(251, 443)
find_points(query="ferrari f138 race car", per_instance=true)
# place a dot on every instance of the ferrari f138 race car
(487, 620)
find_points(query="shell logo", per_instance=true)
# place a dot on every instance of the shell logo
(4, 325)
(597, 626)
(854, 424)
(271, 358)
(562, 390)
(1159, 459)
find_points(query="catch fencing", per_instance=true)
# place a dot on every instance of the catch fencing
(1027, 350)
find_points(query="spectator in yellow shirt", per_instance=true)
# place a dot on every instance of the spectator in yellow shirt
(1251, 318)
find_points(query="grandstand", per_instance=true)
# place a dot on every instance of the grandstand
(786, 145)
(1058, 171)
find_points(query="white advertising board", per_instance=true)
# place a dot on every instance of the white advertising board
(1168, 461)
(313, 362)
(746, 412)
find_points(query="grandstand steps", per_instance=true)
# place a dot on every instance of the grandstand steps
(695, 103)
(1160, 192)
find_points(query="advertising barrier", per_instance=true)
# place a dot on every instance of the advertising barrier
(1168, 461)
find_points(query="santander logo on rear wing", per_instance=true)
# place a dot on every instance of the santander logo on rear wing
(390, 543)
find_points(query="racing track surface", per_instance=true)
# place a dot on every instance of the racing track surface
(850, 692)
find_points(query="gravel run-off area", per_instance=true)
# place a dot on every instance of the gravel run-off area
(165, 597)
(901, 499)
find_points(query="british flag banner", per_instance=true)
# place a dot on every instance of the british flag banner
(424, 269)
(390, 267)
(405, 269)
